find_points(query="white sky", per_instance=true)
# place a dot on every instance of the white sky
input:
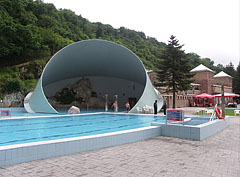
(210, 28)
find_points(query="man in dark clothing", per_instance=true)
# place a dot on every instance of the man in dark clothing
(155, 107)
(164, 108)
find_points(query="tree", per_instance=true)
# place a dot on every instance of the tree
(208, 63)
(54, 41)
(232, 72)
(173, 70)
(13, 85)
(219, 68)
(236, 89)
(194, 59)
(230, 69)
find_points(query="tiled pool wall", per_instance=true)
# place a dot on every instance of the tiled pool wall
(14, 154)
(197, 132)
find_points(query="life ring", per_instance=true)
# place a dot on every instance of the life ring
(218, 113)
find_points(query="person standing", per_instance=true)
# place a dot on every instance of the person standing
(115, 106)
(164, 108)
(127, 105)
(155, 107)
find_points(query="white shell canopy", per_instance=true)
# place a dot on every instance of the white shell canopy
(111, 68)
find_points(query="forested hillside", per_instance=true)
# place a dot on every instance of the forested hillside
(32, 31)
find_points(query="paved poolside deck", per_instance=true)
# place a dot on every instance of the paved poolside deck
(218, 155)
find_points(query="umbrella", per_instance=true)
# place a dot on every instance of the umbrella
(204, 95)
(227, 95)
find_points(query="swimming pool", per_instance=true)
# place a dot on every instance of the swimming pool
(29, 138)
(19, 131)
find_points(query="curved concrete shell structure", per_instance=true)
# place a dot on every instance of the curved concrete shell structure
(110, 69)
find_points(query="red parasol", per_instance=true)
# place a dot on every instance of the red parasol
(204, 95)
(227, 95)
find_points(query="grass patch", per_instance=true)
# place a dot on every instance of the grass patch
(228, 112)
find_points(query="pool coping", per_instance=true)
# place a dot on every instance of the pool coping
(71, 115)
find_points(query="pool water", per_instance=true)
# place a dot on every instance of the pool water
(18, 131)
(22, 127)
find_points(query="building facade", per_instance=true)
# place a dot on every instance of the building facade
(205, 81)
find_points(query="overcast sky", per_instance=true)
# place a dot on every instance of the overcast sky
(210, 28)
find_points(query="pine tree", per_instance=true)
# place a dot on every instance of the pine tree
(173, 70)
(232, 72)
(237, 80)
(230, 69)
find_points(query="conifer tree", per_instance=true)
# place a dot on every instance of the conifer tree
(233, 73)
(237, 80)
(173, 70)
(230, 69)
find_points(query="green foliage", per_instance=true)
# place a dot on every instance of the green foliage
(30, 84)
(230, 69)
(30, 27)
(194, 59)
(29, 76)
(219, 68)
(13, 85)
(208, 63)
(236, 87)
(232, 72)
(21, 78)
(35, 68)
(53, 41)
(174, 69)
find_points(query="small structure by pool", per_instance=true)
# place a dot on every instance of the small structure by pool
(85, 72)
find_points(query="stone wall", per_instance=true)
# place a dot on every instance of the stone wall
(205, 79)
(12, 100)
(78, 94)
(227, 81)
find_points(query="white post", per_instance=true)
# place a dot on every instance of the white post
(116, 109)
(106, 103)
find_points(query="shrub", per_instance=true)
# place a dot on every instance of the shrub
(13, 85)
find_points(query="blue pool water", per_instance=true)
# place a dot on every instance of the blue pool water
(18, 131)
(28, 129)
(21, 112)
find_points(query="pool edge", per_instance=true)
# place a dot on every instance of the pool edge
(190, 132)
(14, 154)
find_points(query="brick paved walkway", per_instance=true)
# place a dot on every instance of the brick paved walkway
(218, 155)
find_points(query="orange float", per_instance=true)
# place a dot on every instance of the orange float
(218, 112)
